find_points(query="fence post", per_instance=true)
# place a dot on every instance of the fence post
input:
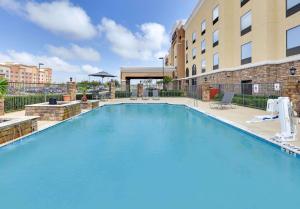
(112, 89)
(71, 89)
(205, 92)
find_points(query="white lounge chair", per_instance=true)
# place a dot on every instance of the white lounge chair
(145, 95)
(155, 95)
(226, 101)
(133, 95)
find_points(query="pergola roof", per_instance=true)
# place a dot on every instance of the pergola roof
(103, 74)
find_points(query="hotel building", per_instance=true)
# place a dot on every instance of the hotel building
(240, 41)
(26, 74)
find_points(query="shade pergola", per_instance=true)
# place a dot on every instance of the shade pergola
(102, 75)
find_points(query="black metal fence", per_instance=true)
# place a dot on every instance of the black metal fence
(246, 94)
(18, 89)
(21, 94)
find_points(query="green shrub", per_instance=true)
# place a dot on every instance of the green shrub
(122, 94)
(171, 93)
(14, 103)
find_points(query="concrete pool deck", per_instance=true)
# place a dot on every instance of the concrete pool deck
(237, 116)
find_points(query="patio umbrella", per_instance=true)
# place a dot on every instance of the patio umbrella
(103, 75)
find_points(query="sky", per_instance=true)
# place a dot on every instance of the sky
(79, 37)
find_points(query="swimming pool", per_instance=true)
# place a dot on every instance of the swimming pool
(154, 156)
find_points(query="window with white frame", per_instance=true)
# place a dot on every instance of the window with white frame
(194, 53)
(216, 38)
(194, 36)
(203, 27)
(246, 53)
(293, 41)
(203, 65)
(216, 61)
(216, 14)
(246, 23)
(186, 57)
(203, 46)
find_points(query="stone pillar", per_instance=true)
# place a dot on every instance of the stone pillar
(112, 89)
(1, 106)
(71, 90)
(291, 89)
(205, 92)
(140, 90)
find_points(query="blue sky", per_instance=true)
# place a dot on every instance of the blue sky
(83, 36)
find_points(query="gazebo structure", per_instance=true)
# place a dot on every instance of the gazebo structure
(133, 73)
(102, 75)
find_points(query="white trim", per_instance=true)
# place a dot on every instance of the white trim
(195, 11)
(147, 69)
(243, 67)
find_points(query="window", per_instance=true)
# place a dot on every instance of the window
(186, 44)
(187, 58)
(216, 38)
(243, 2)
(203, 27)
(194, 53)
(246, 22)
(293, 41)
(194, 69)
(292, 7)
(246, 53)
(215, 14)
(203, 65)
(203, 46)
(216, 61)
(194, 37)
(187, 72)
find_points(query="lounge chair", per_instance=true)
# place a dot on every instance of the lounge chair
(133, 95)
(155, 95)
(145, 95)
(226, 101)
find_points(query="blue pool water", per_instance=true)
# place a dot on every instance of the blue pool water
(146, 157)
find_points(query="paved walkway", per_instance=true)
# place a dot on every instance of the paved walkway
(237, 116)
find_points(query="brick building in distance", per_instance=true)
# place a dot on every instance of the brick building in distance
(25, 73)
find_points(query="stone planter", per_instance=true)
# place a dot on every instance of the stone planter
(1, 106)
(13, 128)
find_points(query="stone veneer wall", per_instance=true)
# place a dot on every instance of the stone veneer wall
(14, 131)
(270, 73)
(89, 105)
(53, 113)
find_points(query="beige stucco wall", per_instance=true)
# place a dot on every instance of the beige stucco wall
(268, 35)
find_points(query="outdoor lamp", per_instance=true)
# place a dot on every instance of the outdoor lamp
(293, 71)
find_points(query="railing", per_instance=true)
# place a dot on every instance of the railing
(246, 94)
(15, 88)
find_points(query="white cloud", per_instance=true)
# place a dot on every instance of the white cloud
(90, 69)
(59, 17)
(143, 45)
(10, 5)
(57, 64)
(75, 52)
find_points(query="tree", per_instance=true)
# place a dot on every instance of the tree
(3, 87)
(167, 80)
